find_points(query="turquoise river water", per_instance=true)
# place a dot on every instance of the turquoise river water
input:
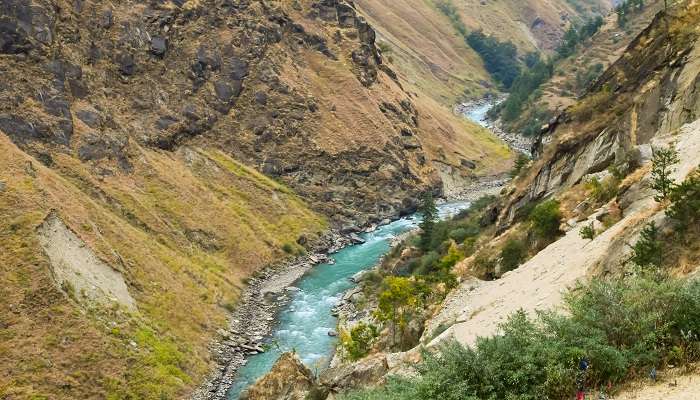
(303, 324)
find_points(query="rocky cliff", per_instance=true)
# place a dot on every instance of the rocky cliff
(650, 91)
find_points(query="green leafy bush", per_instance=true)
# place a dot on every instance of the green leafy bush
(512, 254)
(358, 341)
(604, 191)
(520, 165)
(588, 232)
(648, 251)
(537, 358)
(545, 219)
(685, 203)
(500, 58)
(288, 248)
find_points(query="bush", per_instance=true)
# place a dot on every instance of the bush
(358, 341)
(648, 251)
(604, 191)
(288, 248)
(512, 254)
(588, 232)
(449, 9)
(537, 358)
(545, 219)
(500, 58)
(685, 203)
(520, 165)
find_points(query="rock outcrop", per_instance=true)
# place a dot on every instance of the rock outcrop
(289, 379)
(652, 90)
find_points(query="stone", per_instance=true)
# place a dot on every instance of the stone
(289, 379)
(13, 39)
(239, 69)
(346, 15)
(89, 117)
(261, 98)
(164, 122)
(227, 92)
(467, 163)
(365, 372)
(356, 239)
(106, 20)
(159, 45)
(126, 63)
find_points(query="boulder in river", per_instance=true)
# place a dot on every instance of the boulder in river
(288, 379)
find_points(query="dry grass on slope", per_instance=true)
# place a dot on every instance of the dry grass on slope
(529, 24)
(184, 230)
(425, 50)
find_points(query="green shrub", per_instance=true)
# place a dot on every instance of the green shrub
(648, 251)
(520, 164)
(500, 58)
(588, 232)
(512, 254)
(620, 326)
(545, 219)
(358, 341)
(459, 234)
(604, 191)
(685, 203)
(427, 263)
(288, 248)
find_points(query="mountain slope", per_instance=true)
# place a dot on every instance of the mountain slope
(153, 156)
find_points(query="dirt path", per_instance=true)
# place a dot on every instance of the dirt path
(681, 388)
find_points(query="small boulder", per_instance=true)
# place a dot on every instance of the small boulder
(159, 45)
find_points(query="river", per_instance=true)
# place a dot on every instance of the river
(303, 324)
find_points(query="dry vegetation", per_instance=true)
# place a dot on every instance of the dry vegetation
(57, 346)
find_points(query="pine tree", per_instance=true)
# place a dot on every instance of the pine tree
(648, 251)
(662, 167)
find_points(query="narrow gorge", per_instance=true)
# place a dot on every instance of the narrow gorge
(349, 200)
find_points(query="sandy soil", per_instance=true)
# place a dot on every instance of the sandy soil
(670, 388)
(478, 307)
(76, 266)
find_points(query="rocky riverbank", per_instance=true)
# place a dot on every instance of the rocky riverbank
(476, 111)
(254, 316)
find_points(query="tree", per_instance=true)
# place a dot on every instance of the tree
(648, 251)
(512, 254)
(662, 167)
(397, 302)
(429, 212)
(685, 203)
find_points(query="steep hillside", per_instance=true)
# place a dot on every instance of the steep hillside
(155, 155)
(530, 24)
(536, 287)
(422, 43)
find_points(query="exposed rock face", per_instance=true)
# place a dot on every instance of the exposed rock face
(367, 372)
(652, 90)
(249, 77)
(289, 379)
